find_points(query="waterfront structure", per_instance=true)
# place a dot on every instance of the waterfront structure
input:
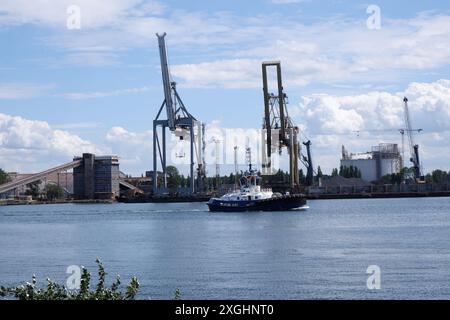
(96, 177)
(382, 160)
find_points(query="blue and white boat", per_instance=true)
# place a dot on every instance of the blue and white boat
(251, 197)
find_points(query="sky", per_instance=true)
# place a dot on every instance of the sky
(68, 88)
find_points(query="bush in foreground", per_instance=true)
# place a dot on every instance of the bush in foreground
(55, 291)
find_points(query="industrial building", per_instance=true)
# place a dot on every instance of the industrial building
(384, 159)
(96, 177)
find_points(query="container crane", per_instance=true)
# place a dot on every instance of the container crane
(181, 123)
(278, 122)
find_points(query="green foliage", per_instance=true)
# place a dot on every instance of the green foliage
(395, 178)
(4, 178)
(301, 176)
(440, 176)
(54, 192)
(335, 172)
(33, 189)
(55, 291)
(177, 294)
(173, 178)
(319, 172)
(349, 172)
(279, 177)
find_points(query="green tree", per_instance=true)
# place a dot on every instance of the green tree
(4, 178)
(349, 172)
(302, 177)
(173, 178)
(439, 176)
(319, 172)
(182, 181)
(54, 192)
(335, 172)
(33, 189)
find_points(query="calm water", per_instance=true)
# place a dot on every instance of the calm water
(319, 253)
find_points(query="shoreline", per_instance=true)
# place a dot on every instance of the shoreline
(35, 202)
(400, 195)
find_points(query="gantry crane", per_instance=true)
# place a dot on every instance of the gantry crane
(277, 124)
(181, 123)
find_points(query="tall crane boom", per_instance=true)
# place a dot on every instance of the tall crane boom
(167, 84)
(413, 148)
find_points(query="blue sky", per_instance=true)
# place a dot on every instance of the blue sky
(98, 88)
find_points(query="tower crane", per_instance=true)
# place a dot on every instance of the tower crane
(181, 123)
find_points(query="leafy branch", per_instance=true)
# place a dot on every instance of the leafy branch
(55, 291)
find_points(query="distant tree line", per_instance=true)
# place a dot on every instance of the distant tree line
(176, 180)
(51, 191)
(346, 172)
(438, 176)
(407, 175)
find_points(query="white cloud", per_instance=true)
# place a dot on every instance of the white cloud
(134, 149)
(287, 1)
(77, 125)
(328, 52)
(331, 121)
(22, 91)
(103, 94)
(229, 74)
(34, 145)
(94, 13)
(229, 48)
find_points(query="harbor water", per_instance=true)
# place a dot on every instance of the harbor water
(320, 253)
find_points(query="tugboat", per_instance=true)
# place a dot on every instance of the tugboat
(251, 197)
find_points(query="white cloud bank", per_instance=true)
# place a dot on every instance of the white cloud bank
(30, 145)
(331, 121)
(134, 149)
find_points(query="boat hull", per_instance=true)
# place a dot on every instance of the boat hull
(283, 203)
